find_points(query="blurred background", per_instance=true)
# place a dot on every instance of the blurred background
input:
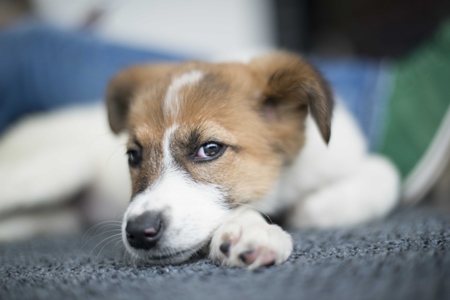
(199, 27)
(388, 60)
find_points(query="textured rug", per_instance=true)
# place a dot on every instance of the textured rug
(405, 256)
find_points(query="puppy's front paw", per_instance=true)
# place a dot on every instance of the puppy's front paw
(239, 244)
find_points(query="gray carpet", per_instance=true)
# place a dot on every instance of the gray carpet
(405, 256)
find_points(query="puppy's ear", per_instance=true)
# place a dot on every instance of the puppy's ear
(292, 86)
(125, 85)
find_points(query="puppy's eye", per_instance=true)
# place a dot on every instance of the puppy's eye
(209, 151)
(134, 158)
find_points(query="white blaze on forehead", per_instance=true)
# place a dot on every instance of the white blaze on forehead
(167, 156)
(173, 97)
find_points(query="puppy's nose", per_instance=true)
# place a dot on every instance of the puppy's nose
(144, 231)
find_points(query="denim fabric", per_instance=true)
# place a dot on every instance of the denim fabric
(42, 68)
(364, 86)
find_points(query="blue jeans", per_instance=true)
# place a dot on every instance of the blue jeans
(42, 68)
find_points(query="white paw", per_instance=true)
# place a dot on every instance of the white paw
(250, 245)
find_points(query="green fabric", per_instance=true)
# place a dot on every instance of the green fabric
(420, 98)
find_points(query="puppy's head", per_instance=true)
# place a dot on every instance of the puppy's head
(205, 138)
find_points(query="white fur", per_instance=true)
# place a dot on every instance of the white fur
(248, 231)
(167, 156)
(336, 185)
(47, 158)
(192, 210)
(173, 98)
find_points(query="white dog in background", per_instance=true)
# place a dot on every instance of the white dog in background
(209, 146)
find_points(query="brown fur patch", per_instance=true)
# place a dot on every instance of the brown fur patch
(128, 83)
(293, 85)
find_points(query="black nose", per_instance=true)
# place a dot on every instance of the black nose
(144, 231)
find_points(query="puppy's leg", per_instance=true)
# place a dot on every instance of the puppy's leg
(368, 193)
(247, 240)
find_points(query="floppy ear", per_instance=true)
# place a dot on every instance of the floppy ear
(125, 85)
(293, 85)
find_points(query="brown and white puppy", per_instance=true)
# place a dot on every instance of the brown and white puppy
(211, 145)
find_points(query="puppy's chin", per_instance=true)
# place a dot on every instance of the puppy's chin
(164, 256)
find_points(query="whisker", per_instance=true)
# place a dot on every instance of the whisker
(104, 240)
(99, 234)
(112, 240)
(115, 245)
(110, 222)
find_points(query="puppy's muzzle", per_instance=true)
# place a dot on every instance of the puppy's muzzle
(144, 231)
